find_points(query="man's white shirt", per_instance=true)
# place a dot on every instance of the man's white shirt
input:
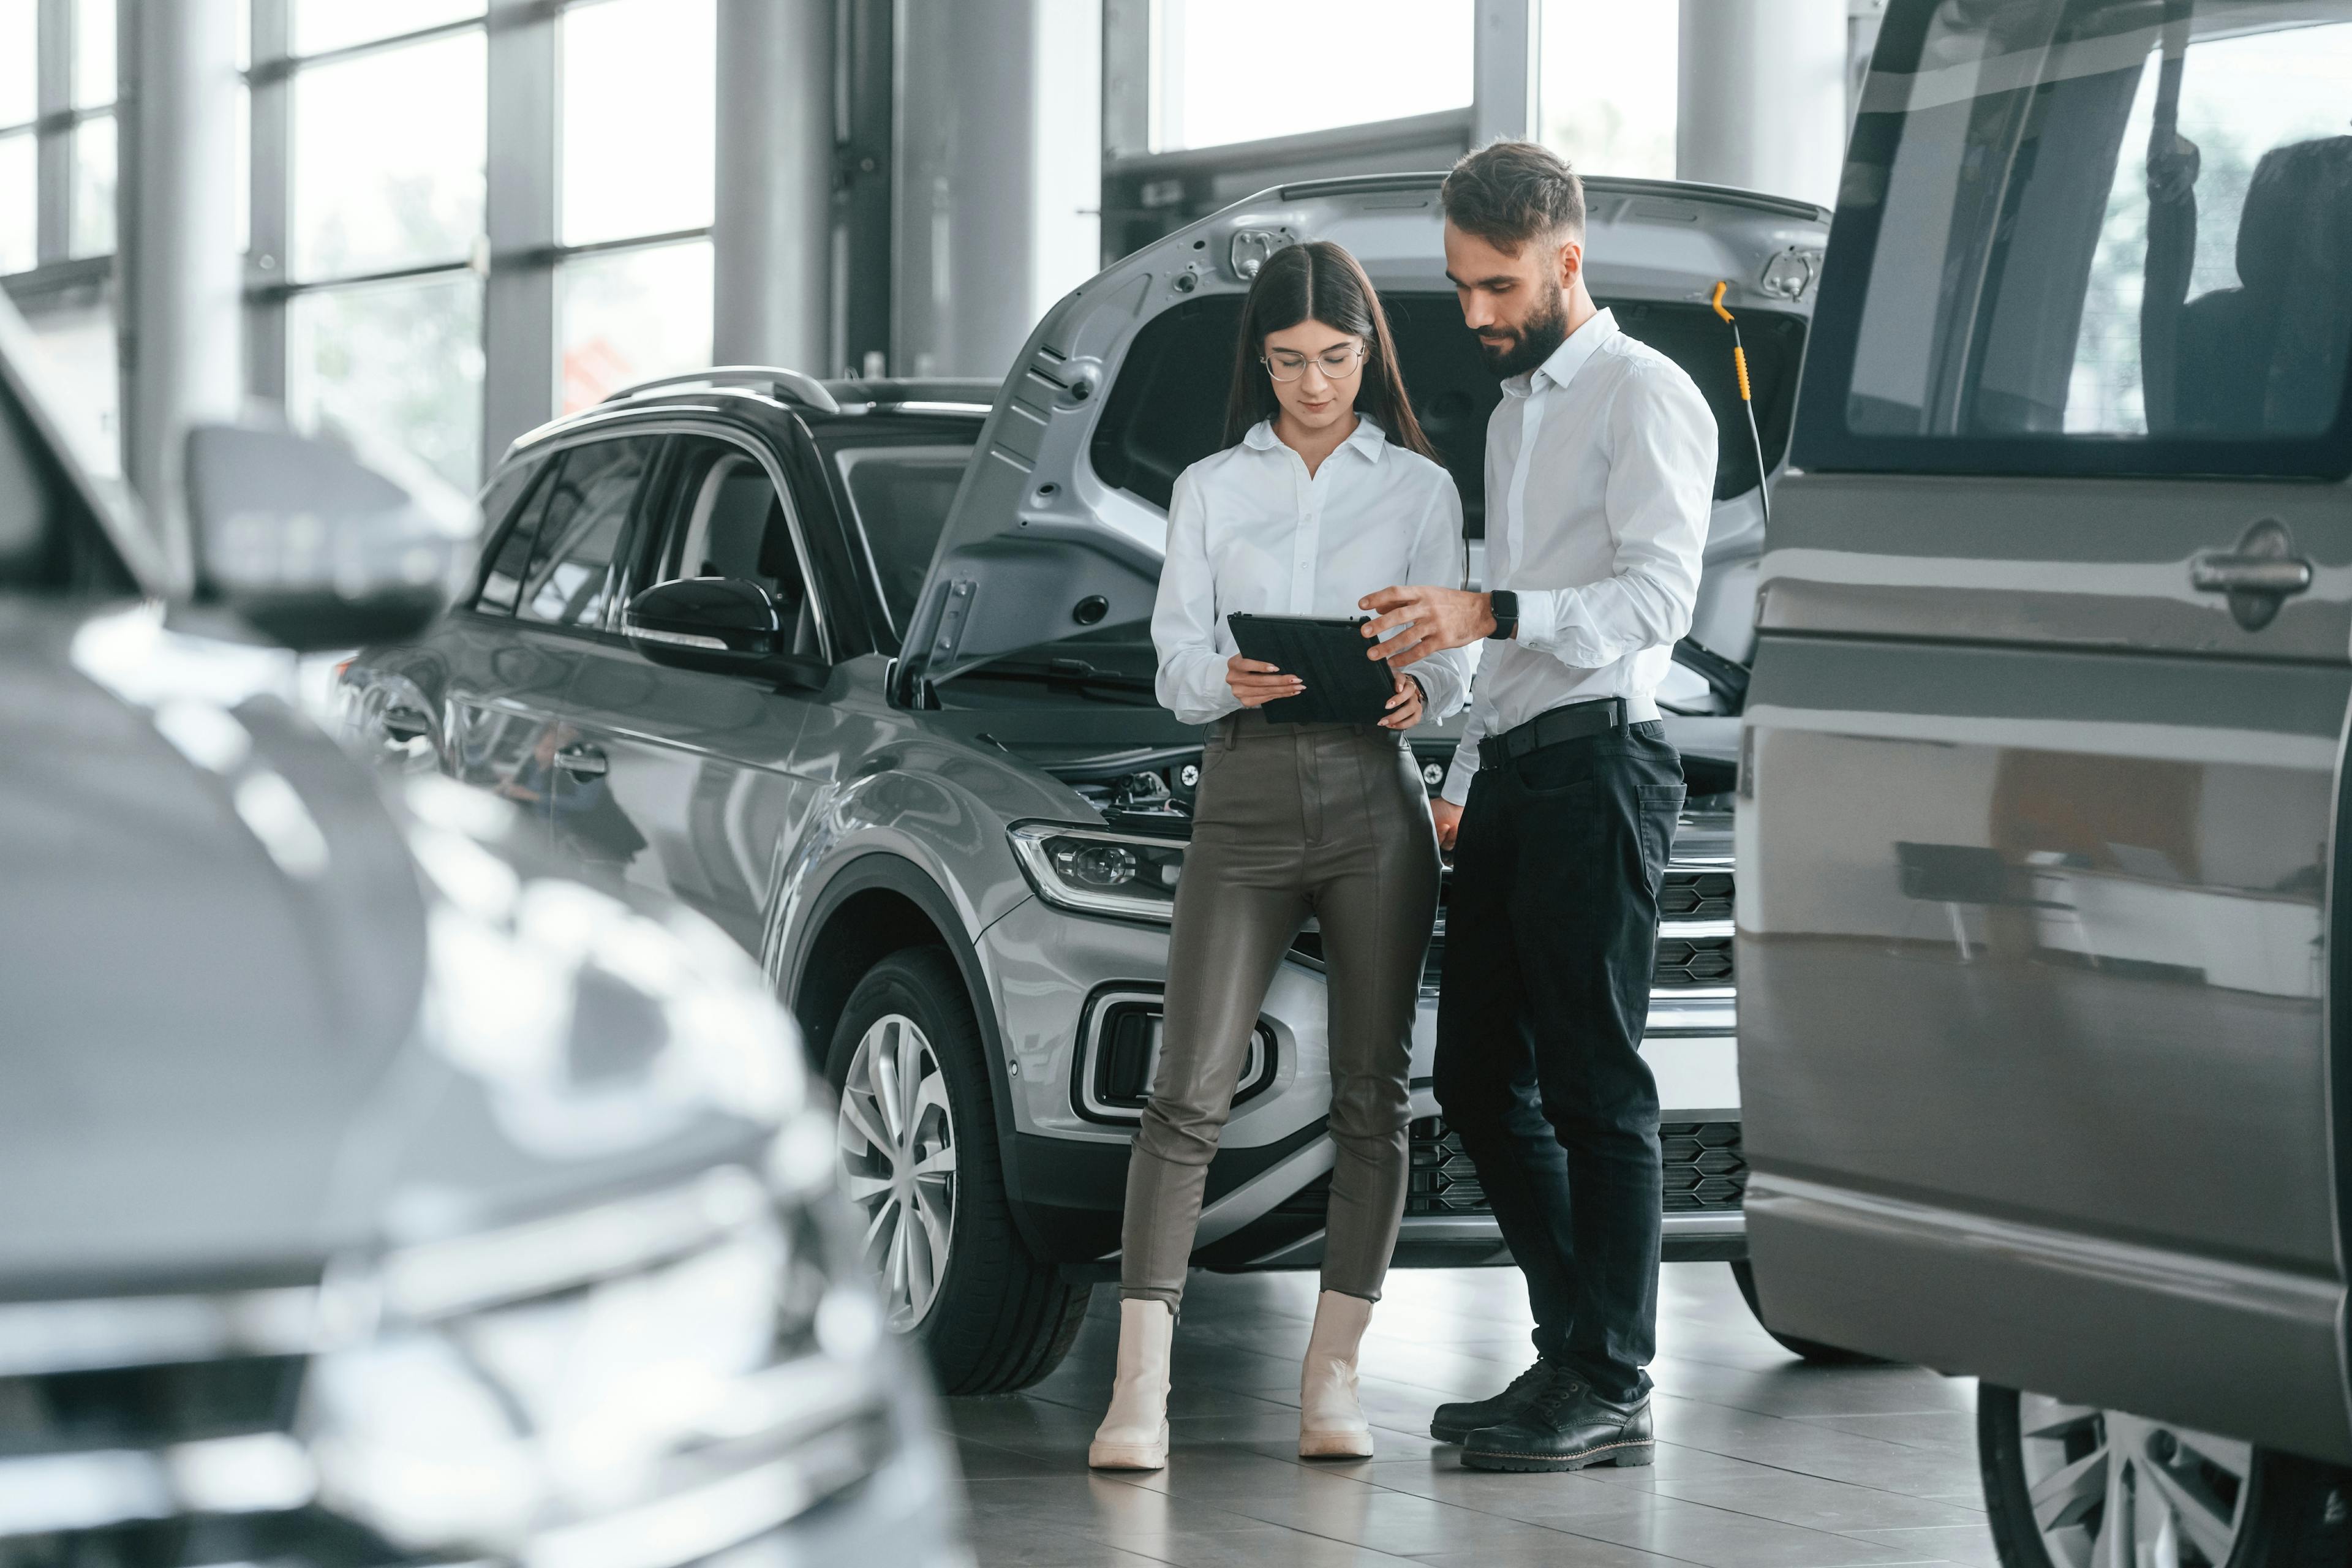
(1600, 478)
(1249, 530)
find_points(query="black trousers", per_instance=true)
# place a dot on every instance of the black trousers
(1551, 932)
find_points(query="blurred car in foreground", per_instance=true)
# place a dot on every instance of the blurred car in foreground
(368, 1192)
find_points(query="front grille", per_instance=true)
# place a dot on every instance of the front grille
(1705, 1171)
(1694, 895)
(249, 1426)
(1692, 961)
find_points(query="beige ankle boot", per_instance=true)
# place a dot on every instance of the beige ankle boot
(1134, 1434)
(1331, 1423)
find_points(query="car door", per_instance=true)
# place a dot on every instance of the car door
(513, 654)
(2038, 801)
(696, 793)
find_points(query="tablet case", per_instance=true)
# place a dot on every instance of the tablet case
(1343, 686)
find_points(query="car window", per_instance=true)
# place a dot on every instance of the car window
(2090, 240)
(513, 530)
(587, 507)
(723, 517)
(899, 501)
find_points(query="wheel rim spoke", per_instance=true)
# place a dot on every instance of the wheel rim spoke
(2192, 1508)
(896, 1135)
(2066, 1494)
(2114, 1546)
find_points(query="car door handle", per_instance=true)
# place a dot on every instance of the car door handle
(2258, 575)
(2227, 572)
(405, 724)
(582, 762)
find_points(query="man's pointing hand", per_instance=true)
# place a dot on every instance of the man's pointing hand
(1432, 620)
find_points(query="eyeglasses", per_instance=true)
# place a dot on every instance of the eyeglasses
(1337, 365)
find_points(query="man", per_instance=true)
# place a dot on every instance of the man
(1562, 804)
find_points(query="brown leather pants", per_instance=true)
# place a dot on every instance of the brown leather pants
(1292, 820)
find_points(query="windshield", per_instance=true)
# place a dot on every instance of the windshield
(898, 500)
(48, 540)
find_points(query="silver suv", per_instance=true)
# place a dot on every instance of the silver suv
(861, 670)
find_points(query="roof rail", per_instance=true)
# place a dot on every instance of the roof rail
(792, 386)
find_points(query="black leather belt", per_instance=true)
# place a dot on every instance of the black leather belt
(1572, 722)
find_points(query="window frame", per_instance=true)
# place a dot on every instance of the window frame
(841, 460)
(1823, 439)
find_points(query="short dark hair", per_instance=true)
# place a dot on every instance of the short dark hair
(1508, 192)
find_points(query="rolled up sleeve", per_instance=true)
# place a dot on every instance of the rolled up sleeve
(1191, 679)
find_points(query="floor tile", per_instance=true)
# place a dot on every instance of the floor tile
(1764, 1461)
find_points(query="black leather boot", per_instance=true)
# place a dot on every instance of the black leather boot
(1566, 1428)
(1455, 1422)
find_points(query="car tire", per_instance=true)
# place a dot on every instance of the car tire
(2248, 1506)
(994, 1318)
(1814, 1351)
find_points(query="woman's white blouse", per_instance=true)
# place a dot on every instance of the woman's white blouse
(1249, 530)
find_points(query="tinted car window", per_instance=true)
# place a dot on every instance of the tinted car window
(509, 560)
(579, 530)
(2093, 243)
(898, 499)
(723, 517)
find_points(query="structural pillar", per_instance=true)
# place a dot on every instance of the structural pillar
(183, 328)
(1761, 96)
(772, 241)
(1505, 66)
(998, 178)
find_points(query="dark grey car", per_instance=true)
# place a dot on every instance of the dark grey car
(861, 670)
(370, 1191)
(2041, 831)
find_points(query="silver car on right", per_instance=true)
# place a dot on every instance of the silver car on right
(2041, 812)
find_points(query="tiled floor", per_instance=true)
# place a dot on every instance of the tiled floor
(1763, 1462)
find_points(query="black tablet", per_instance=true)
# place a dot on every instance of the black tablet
(1344, 685)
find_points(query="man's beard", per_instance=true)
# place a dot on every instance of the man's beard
(1539, 336)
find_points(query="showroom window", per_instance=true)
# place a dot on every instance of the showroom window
(57, 203)
(1238, 70)
(1617, 119)
(384, 189)
(634, 290)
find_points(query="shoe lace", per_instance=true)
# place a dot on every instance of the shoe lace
(1530, 1382)
(1559, 1394)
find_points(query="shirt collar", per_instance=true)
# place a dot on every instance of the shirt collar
(1569, 358)
(1367, 438)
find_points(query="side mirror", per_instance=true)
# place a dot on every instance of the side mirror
(315, 548)
(722, 625)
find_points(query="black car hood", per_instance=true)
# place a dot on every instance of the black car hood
(246, 1016)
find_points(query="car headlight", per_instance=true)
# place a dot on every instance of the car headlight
(1096, 871)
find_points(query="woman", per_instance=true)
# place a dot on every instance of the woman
(1326, 491)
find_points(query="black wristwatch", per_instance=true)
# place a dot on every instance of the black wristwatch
(1506, 605)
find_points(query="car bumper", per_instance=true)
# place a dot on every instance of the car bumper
(1055, 972)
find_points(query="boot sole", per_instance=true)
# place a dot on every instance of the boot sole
(1451, 1433)
(1125, 1456)
(1624, 1456)
(1334, 1445)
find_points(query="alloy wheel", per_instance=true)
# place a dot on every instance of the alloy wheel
(897, 1154)
(2112, 1490)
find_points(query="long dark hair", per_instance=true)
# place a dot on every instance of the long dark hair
(1320, 281)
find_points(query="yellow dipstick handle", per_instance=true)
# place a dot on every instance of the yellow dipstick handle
(1717, 302)
(1739, 362)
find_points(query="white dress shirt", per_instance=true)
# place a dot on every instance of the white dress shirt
(1249, 530)
(1600, 480)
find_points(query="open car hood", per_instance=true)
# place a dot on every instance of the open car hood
(1061, 524)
